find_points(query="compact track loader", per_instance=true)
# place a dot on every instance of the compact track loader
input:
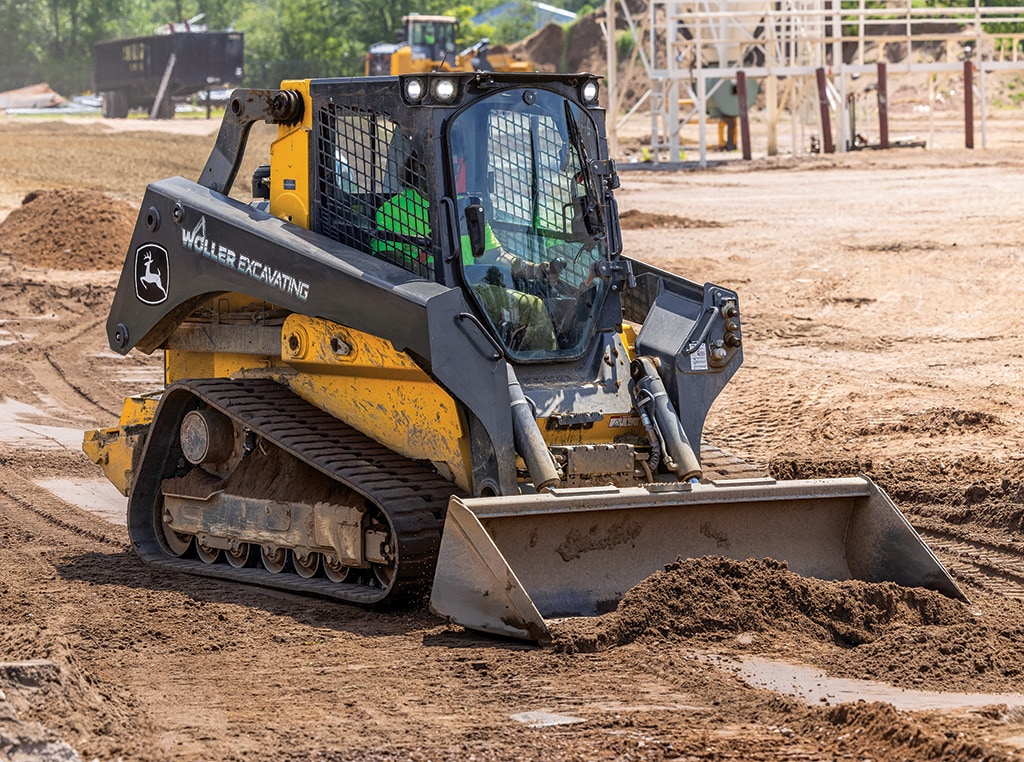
(418, 360)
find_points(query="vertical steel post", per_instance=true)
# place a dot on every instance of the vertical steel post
(883, 106)
(611, 55)
(827, 146)
(741, 93)
(968, 104)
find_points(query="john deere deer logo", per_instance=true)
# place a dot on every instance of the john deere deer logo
(151, 273)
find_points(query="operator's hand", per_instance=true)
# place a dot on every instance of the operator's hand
(550, 271)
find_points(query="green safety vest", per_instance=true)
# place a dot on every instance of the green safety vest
(403, 214)
(408, 213)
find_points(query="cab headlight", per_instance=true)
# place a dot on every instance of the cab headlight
(589, 92)
(414, 90)
(444, 90)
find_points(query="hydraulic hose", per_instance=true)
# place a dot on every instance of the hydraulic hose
(529, 441)
(650, 391)
(652, 436)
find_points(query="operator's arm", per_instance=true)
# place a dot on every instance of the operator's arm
(525, 270)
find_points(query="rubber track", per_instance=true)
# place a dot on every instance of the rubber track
(410, 494)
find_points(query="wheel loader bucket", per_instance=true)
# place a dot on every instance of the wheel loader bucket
(508, 565)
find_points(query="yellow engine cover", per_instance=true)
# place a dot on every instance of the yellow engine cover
(356, 377)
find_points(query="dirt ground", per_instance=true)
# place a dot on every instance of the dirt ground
(876, 292)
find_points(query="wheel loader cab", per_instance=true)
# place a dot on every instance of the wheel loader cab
(431, 38)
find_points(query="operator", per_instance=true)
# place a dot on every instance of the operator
(522, 318)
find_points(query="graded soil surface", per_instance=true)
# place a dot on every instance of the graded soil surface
(876, 298)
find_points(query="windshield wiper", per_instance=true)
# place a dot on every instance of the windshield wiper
(590, 210)
(600, 212)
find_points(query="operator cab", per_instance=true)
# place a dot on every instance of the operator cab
(519, 163)
(431, 38)
(492, 183)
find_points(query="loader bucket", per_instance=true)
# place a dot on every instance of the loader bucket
(508, 565)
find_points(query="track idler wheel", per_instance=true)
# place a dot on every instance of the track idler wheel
(334, 570)
(207, 553)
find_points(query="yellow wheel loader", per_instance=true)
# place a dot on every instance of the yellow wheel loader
(427, 44)
(418, 361)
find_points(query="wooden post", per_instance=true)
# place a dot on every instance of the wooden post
(827, 146)
(883, 106)
(968, 104)
(741, 93)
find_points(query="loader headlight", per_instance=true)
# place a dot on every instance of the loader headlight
(444, 90)
(589, 92)
(414, 90)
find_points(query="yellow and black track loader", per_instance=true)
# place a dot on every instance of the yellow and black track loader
(419, 361)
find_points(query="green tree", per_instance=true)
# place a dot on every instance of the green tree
(517, 23)
(469, 33)
(21, 55)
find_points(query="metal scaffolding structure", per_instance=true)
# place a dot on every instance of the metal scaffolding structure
(692, 51)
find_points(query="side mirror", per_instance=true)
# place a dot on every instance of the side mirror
(475, 226)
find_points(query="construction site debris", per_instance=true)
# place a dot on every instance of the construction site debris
(33, 96)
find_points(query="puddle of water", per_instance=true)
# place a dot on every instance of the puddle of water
(815, 687)
(544, 719)
(98, 496)
(29, 428)
(25, 425)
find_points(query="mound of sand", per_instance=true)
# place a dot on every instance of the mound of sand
(721, 597)
(69, 229)
(904, 636)
(634, 219)
(45, 696)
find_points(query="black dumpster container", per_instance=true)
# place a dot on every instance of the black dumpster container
(129, 73)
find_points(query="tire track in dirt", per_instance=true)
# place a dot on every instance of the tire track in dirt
(48, 317)
(995, 569)
(85, 395)
(63, 515)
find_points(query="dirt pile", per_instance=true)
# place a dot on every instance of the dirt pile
(46, 697)
(634, 219)
(719, 598)
(68, 229)
(575, 48)
(905, 636)
(893, 735)
(543, 48)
